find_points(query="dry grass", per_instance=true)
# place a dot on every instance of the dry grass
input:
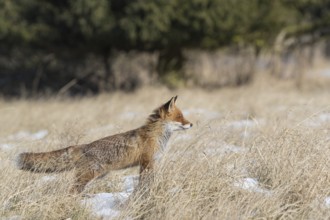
(270, 133)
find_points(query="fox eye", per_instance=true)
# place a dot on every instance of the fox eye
(179, 116)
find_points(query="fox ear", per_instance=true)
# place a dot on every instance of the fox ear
(170, 104)
(175, 98)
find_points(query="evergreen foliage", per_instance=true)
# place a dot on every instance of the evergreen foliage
(71, 30)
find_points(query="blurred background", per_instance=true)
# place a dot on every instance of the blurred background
(88, 47)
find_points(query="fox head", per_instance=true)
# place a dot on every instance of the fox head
(171, 115)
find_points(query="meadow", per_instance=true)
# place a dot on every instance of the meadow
(259, 151)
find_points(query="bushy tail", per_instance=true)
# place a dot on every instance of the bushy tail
(47, 162)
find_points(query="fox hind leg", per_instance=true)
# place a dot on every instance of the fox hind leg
(84, 176)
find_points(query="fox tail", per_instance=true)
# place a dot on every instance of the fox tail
(46, 162)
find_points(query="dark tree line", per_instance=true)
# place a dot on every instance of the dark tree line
(43, 42)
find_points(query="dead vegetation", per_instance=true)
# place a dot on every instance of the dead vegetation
(256, 152)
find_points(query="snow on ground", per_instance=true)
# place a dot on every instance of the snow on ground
(10, 141)
(14, 217)
(318, 120)
(323, 72)
(327, 202)
(251, 185)
(6, 146)
(130, 182)
(107, 205)
(325, 117)
(47, 178)
(26, 135)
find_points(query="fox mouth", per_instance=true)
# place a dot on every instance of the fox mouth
(186, 126)
(176, 126)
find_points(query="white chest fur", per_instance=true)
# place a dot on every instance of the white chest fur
(162, 143)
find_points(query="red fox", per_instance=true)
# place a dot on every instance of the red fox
(119, 151)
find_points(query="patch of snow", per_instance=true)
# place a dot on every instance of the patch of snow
(14, 217)
(39, 135)
(27, 135)
(252, 185)
(6, 146)
(130, 182)
(325, 117)
(324, 72)
(248, 183)
(47, 178)
(19, 135)
(327, 202)
(318, 120)
(106, 205)
(175, 190)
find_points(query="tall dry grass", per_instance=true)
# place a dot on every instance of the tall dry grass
(256, 152)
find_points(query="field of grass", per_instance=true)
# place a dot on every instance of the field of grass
(255, 152)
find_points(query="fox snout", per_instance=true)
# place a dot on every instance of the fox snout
(187, 125)
(176, 125)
